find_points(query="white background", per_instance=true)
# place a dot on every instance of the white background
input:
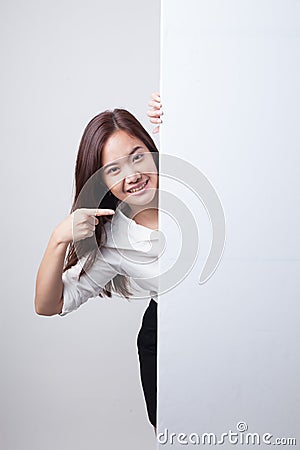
(67, 383)
(230, 88)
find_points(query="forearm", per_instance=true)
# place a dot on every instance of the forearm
(49, 285)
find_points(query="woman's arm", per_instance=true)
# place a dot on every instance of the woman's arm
(49, 286)
(49, 282)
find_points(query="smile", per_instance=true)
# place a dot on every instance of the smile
(140, 188)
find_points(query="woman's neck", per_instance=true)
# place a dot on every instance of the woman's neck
(148, 218)
(146, 215)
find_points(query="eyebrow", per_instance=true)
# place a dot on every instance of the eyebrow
(113, 163)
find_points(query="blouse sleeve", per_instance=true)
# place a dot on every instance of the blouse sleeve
(76, 292)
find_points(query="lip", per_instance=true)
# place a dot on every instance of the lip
(137, 186)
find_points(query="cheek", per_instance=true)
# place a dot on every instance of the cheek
(114, 186)
(153, 172)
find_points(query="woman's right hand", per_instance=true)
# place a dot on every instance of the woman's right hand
(80, 224)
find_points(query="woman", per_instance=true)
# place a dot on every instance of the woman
(116, 198)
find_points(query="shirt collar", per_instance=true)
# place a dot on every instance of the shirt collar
(123, 231)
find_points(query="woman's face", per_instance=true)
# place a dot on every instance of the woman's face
(128, 164)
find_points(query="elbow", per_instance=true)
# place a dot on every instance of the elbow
(40, 312)
(46, 311)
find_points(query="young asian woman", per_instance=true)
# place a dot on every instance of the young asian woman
(100, 249)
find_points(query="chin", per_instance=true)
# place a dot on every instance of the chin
(140, 201)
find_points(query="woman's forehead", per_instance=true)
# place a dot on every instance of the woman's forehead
(119, 145)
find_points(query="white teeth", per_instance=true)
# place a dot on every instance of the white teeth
(138, 189)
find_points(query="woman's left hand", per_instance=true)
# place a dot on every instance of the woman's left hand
(156, 112)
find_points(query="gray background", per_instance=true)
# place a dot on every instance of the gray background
(66, 382)
(229, 349)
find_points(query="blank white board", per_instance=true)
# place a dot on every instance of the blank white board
(229, 348)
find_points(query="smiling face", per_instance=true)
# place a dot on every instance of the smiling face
(129, 170)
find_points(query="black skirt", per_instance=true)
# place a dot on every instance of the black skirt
(147, 350)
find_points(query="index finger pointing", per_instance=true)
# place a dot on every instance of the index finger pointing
(103, 212)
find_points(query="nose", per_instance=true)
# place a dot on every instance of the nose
(133, 178)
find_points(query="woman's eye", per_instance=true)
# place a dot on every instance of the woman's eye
(139, 156)
(110, 170)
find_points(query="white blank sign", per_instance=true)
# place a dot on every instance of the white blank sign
(229, 348)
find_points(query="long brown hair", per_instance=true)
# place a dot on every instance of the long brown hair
(88, 162)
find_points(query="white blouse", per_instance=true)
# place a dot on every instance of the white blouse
(131, 249)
